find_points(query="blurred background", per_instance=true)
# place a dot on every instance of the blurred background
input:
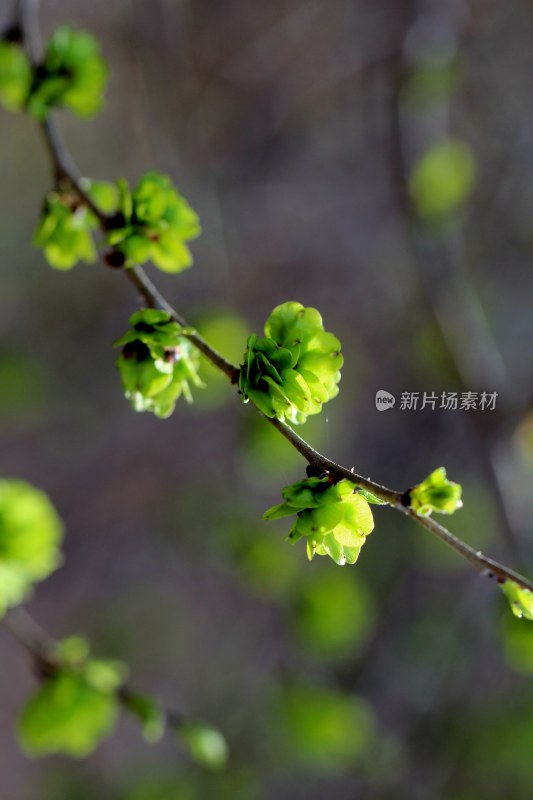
(373, 159)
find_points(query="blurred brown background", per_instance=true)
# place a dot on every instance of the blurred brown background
(292, 127)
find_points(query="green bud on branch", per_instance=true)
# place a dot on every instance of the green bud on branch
(295, 369)
(520, 599)
(332, 516)
(435, 493)
(154, 222)
(157, 363)
(73, 75)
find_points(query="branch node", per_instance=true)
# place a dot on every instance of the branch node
(405, 498)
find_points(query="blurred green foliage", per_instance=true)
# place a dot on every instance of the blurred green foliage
(271, 457)
(517, 644)
(431, 81)
(237, 783)
(524, 438)
(494, 748)
(443, 180)
(206, 744)
(64, 232)
(23, 385)
(76, 705)
(334, 614)
(148, 712)
(67, 715)
(323, 729)
(15, 75)
(30, 538)
(269, 567)
(73, 75)
(228, 330)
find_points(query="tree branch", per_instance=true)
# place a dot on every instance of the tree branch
(64, 167)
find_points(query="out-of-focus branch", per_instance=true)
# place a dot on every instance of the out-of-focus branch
(450, 297)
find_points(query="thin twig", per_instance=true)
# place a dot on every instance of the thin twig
(486, 566)
(64, 165)
(316, 459)
(35, 639)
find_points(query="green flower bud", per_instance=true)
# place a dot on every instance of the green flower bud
(520, 599)
(76, 705)
(64, 231)
(157, 364)
(333, 518)
(73, 75)
(435, 493)
(155, 223)
(292, 372)
(205, 744)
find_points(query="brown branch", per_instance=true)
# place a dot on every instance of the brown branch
(63, 165)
